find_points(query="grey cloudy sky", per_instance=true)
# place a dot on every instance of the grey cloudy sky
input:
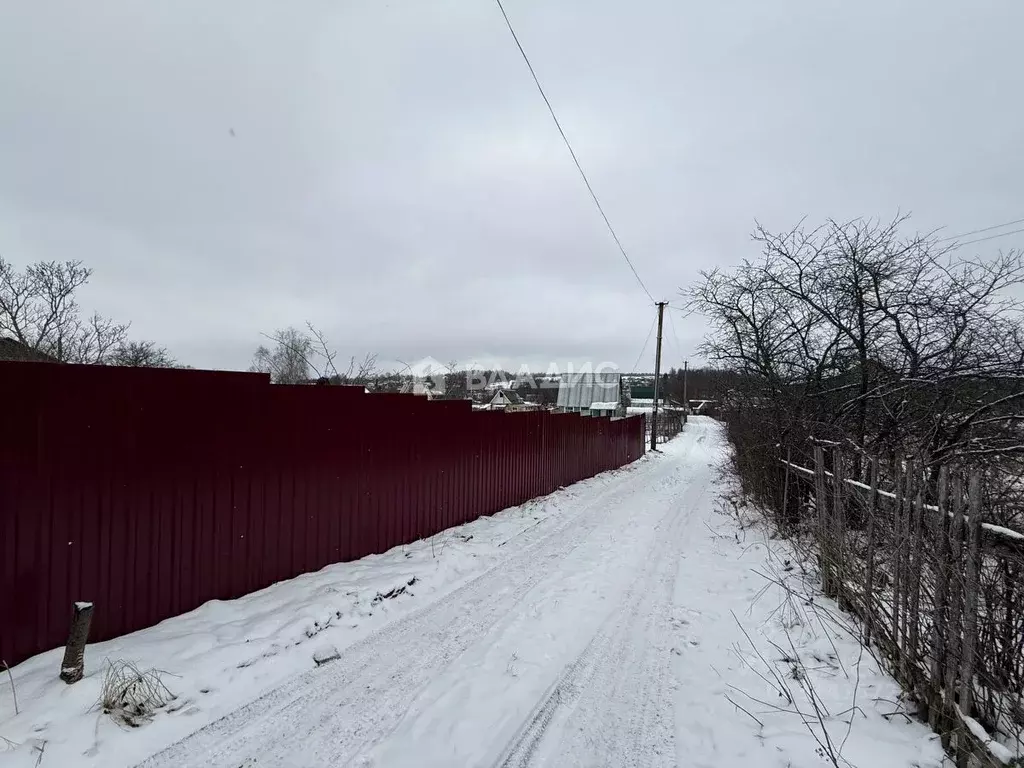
(394, 177)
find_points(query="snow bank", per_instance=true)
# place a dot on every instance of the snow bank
(999, 751)
(774, 674)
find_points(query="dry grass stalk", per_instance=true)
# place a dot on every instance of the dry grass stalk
(132, 696)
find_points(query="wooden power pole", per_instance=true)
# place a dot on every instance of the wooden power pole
(686, 398)
(657, 379)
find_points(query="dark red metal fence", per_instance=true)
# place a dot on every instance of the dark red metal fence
(150, 492)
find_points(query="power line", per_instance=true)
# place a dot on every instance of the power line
(657, 378)
(644, 349)
(983, 229)
(675, 336)
(684, 312)
(990, 237)
(579, 167)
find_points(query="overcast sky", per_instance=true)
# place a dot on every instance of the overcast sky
(388, 171)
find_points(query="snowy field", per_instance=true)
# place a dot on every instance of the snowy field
(624, 621)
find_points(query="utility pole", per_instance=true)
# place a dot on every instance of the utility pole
(657, 379)
(686, 399)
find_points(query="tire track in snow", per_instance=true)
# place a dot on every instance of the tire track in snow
(621, 671)
(563, 693)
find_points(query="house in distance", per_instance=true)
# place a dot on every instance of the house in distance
(505, 400)
(592, 394)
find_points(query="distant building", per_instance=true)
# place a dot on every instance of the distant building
(505, 400)
(641, 395)
(610, 408)
(591, 394)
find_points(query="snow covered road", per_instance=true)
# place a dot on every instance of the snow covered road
(582, 647)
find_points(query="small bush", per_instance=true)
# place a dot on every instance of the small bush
(131, 696)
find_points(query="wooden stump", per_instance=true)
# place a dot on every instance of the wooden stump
(73, 666)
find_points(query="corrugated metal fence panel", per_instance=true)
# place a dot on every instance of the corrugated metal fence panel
(150, 492)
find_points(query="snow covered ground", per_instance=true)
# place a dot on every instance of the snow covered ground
(623, 621)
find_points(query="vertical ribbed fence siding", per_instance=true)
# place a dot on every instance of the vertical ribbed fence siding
(150, 492)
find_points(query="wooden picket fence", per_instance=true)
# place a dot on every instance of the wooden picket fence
(938, 589)
(670, 424)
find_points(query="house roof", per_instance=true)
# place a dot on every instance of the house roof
(11, 350)
(508, 396)
(579, 390)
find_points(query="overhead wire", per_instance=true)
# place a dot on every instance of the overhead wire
(675, 337)
(684, 312)
(983, 229)
(644, 348)
(990, 237)
(572, 152)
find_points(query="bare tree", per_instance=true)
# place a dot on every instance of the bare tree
(38, 309)
(912, 323)
(455, 381)
(288, 360)
(360, 372)
(298, 356)
(856, 333)
(142, 354)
